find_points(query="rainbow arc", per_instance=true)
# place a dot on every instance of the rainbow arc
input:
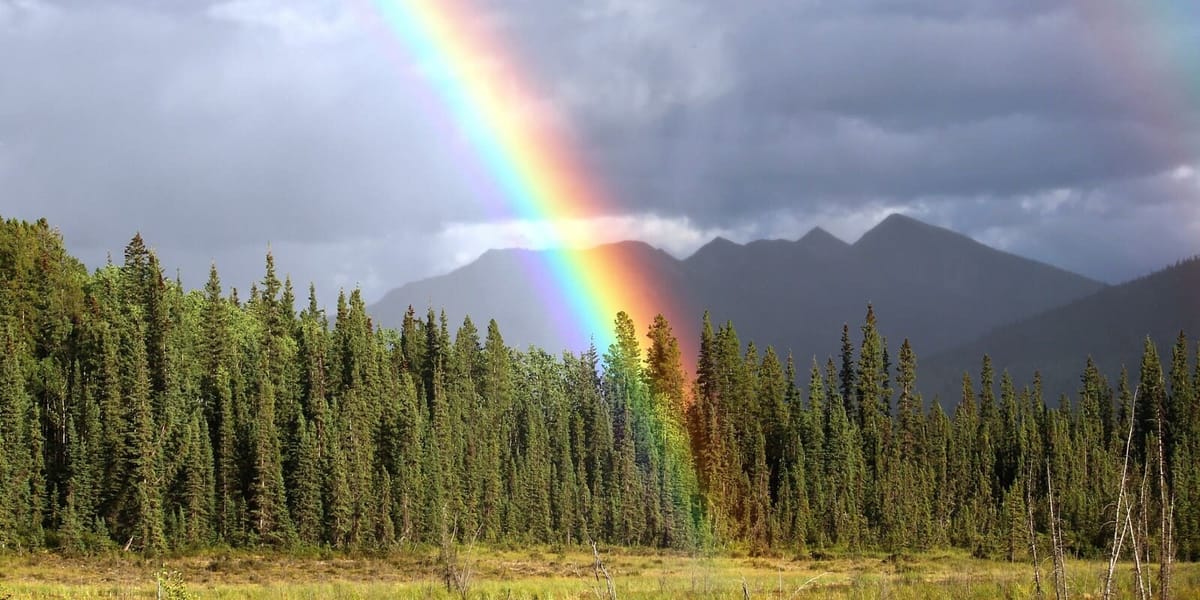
(538, 177)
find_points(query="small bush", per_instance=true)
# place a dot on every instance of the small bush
(171, 586)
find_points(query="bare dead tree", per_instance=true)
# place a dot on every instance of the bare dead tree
(464, 571)
(1165, 508)
(1144, 533)
(599, 569)
(1139, 583)
(1119, 529)
(1060, 575)
(458, 574)
(1037, 567)
(1169, 545)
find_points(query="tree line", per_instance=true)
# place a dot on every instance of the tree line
(136, 414)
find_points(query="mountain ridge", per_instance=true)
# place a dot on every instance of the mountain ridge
(1109, 326)
(935, 286)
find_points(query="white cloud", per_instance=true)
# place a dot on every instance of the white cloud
(464, 242)
(295, 22)
(1185, 173)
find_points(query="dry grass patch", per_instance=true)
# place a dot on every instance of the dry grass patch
(507, 574)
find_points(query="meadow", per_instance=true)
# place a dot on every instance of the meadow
(547, 574)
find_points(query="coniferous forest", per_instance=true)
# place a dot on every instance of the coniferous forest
(135, 414)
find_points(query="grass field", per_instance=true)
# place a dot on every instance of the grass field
(546, 574)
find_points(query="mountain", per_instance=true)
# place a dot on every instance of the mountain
(510, 286)
(930, 284)
(1110, 326)
(818, 242)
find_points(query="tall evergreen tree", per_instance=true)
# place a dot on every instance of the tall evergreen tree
(847, 380)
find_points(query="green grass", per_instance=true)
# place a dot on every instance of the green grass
(546, 574)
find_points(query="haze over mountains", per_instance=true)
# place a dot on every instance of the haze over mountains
(953, 297)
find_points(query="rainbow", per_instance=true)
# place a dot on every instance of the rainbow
(537, 175)
(1150, 46)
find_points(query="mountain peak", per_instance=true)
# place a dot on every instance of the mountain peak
(716, 249)
(897, 219)
(897, 222)
(819, 238)
(902, 231)
(720, 242)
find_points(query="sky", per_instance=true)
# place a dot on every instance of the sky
(1063, 130)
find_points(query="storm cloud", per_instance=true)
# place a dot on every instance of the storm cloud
(1064, 131)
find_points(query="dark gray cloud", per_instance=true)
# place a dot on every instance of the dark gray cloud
(1062, 130)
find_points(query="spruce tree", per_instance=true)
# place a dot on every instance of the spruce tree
(1151, 398)
(909, 409)
(20, 517)
(143, 519)
(664, 372)
(306, 508)
(874, 414)
(815, 425)
(847, 380)
(266, 500)
(845, 472)
(1180, 403)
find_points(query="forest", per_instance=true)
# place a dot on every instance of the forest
(138, 415)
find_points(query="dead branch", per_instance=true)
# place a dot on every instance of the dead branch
(458, 575)
(1037, 567)
(1060, 579)
(806, 584)
(1139, 582)
(1165, 526)
(1118, 530)
(599, 569)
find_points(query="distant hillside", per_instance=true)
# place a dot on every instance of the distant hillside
(1109, 326)
(932, 285)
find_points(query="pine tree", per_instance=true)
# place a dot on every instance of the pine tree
(143, 521)
(1151, 398)
(844, 472)
(676, 479)
(196, 480)
(306, 504)
(664, 373)
(336, 494)
(939, 450)
(227, 470)
(874, 414)
(20, 456)
(267, 502)
(847, 381)
(909, 409)
(964, 469)
(86, 466)
(496, 392)
(705, 426)
(1180, 403)
(815, 426)
(773, 418)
